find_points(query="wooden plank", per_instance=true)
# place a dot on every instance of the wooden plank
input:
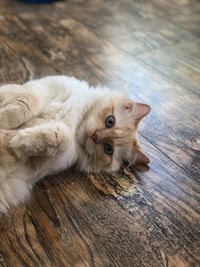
(127, 29)
(180, 63)
(37, 237)
(188, 18)
(122, 25)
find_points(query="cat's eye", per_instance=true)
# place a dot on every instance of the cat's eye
(110, 121)
(108, 149)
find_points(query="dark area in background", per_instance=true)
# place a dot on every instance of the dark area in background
(37, 1)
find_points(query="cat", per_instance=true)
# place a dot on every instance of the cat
(50, 124)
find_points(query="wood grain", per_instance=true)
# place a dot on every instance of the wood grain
(138, 217)
(179, 63)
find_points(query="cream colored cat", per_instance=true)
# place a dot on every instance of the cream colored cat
(49, 124)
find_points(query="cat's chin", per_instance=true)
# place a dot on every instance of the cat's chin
(89, 146)
(81, 136)
(85, 142)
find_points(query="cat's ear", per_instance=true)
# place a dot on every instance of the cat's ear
(140, 157)
(137, 157)
(137, 110)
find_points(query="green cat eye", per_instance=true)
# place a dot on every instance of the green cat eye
(110, 121)
(108, 149)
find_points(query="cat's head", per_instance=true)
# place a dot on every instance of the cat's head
(107, 134)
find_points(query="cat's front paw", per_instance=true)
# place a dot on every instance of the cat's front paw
(22, 144)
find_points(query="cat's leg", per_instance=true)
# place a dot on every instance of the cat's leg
(18, 105)
(15, 178)
(42, 140)
(12, 191)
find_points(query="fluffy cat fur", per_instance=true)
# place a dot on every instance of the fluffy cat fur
(49, 124)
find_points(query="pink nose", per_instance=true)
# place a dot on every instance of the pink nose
(94, 137)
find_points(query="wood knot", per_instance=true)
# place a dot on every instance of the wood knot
(195, 143)
(123, 184)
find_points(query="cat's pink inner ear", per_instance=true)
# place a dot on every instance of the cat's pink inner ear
(140, 110)
(140, 157)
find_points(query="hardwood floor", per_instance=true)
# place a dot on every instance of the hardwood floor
(137, 218)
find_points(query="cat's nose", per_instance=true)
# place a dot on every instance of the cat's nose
(94, 137)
